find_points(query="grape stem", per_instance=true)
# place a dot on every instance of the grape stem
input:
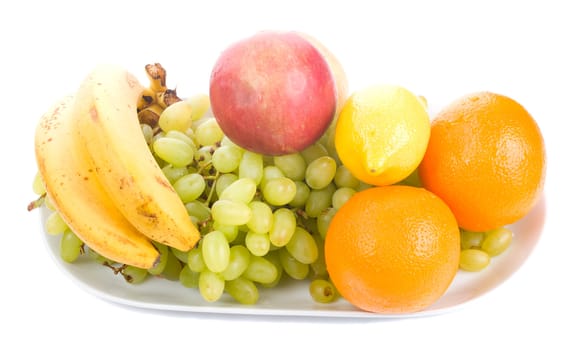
(116, 270)
(211, 190)
(301, 213)
(205, 166)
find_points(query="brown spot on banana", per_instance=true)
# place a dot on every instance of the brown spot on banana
(145, 211)
(131, 80)
(163, 182)
(126, 182)
(94, 115)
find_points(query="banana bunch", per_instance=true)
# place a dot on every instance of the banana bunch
(156, 97)
(100, 175)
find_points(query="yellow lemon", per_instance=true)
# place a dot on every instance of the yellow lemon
(382, 133)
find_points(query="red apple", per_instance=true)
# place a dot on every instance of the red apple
(273, 93)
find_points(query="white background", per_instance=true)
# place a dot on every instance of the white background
(440, 49)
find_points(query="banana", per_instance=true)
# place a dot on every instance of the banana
(76, 193)
(108, 125)
(150, 115)
(157, 77)
(148, 98)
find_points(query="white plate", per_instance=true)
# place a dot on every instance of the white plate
(292, 298)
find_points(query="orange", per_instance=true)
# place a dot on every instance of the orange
(486, 160)
(393, 249)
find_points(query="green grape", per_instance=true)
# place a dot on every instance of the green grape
(270, 172)
(241, 190)
(157, 136)
(198, 122)
(302, 194)
(211, 285)
(195, 260)
(257, 243)
(172, 268)
(199, 105)
(314, 152)
(174, 173)
(242, 290)
(227, 158)
(341, 196)
(198, 210)
(292, 165)
(251, 166)
(279, 191)
(208, 132)
(292, 266)
(70, 246)
(226, 141)
(344, 178)
(48, 204)
(473, 260)
(215, 249)
(239, 258)
(497, 241)
(173, 151)
(190, 133)
(38, 184)
(323, 291)
(228, 212)
(319, 200)
(230, 231)
(261, 217)
(323, 221)
(176, 116)
(148, 133)
(134, 275)
(310, 225)
(283, 227)
(179, 254)
(320, 172)
(318, 268)
(470, 239)
(260, 270)
(273, 257)
(188, 277)
(93, 254)
(181, 136)
(302, 246)
(54, 224)
(163, 257)
(363, 186)
(190, 187)
(240, 238)
(204, 156)
(223, 181)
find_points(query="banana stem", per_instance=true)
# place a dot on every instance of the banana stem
(157, 77)
(37, 203)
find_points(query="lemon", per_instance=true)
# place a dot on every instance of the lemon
(382, 133)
